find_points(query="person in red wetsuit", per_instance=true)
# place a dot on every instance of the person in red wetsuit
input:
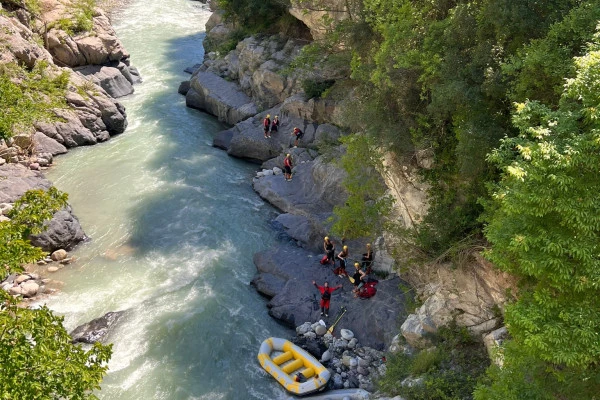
(298, 134)
(267, 126)
(287, 167)
(325, 296)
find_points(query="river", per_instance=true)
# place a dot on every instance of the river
(174, 224)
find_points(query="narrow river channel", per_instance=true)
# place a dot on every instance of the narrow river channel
(174, 224)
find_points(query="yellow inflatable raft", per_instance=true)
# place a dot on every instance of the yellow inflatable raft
(285, 361)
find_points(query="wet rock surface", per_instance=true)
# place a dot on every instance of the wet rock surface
(97, 329)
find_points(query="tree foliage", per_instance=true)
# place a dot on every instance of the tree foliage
(367, 202)
(38, 360)
(27, 217)
(544, 225)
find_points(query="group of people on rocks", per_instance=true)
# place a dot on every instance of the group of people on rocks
(270, 127)
(358, 278)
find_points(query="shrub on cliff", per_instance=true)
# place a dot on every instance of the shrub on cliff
(27, 217)
(29, 96)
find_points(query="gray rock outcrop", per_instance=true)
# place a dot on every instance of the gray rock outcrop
(16, 179)
(97, 329)
(318, 16)
(472, 295)
(117, 80)
(285, 274)
(213, 94)
(63, 231)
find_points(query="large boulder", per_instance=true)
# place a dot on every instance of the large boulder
(246, 139)
(63, 231)
(108, 78)
(97, 329)
(372, 320)
(316, 187)
(45, 144)
(213, 94)
(92, 116)
(99, 46)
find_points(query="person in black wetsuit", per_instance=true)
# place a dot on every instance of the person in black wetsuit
(274, 125)
(367, 259)
(329, 248)
(358, 277)
(342, 256)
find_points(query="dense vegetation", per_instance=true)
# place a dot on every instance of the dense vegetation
(29, 96)
(37, 358)
(447, 371)
(522, 179)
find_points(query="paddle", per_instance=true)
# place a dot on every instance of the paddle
(332, 327)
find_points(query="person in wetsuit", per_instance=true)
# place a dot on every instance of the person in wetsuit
(342, 256)
(325, 296)
(329, 248)
(298, 133)
(267, 125)
(367, 259)
(274, 125)
(358, 277)
(287, 167)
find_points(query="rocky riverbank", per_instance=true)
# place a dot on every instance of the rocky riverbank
(98, 70)
(471, 295)
(233, 88)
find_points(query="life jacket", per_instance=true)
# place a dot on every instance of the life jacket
(287, 162)
(267, 122)
(326, 294)
(368, 290)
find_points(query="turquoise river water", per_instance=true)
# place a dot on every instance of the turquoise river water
(174, 224)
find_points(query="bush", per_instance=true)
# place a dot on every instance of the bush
(448, 371)
(315, 88)
(29, 97)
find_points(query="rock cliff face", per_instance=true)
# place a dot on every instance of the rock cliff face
(473, 295)
(248, 78)
(318, 15)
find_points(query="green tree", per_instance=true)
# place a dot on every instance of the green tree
(544, 225)
(27, 217)
(367, 204)
(38, 360)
